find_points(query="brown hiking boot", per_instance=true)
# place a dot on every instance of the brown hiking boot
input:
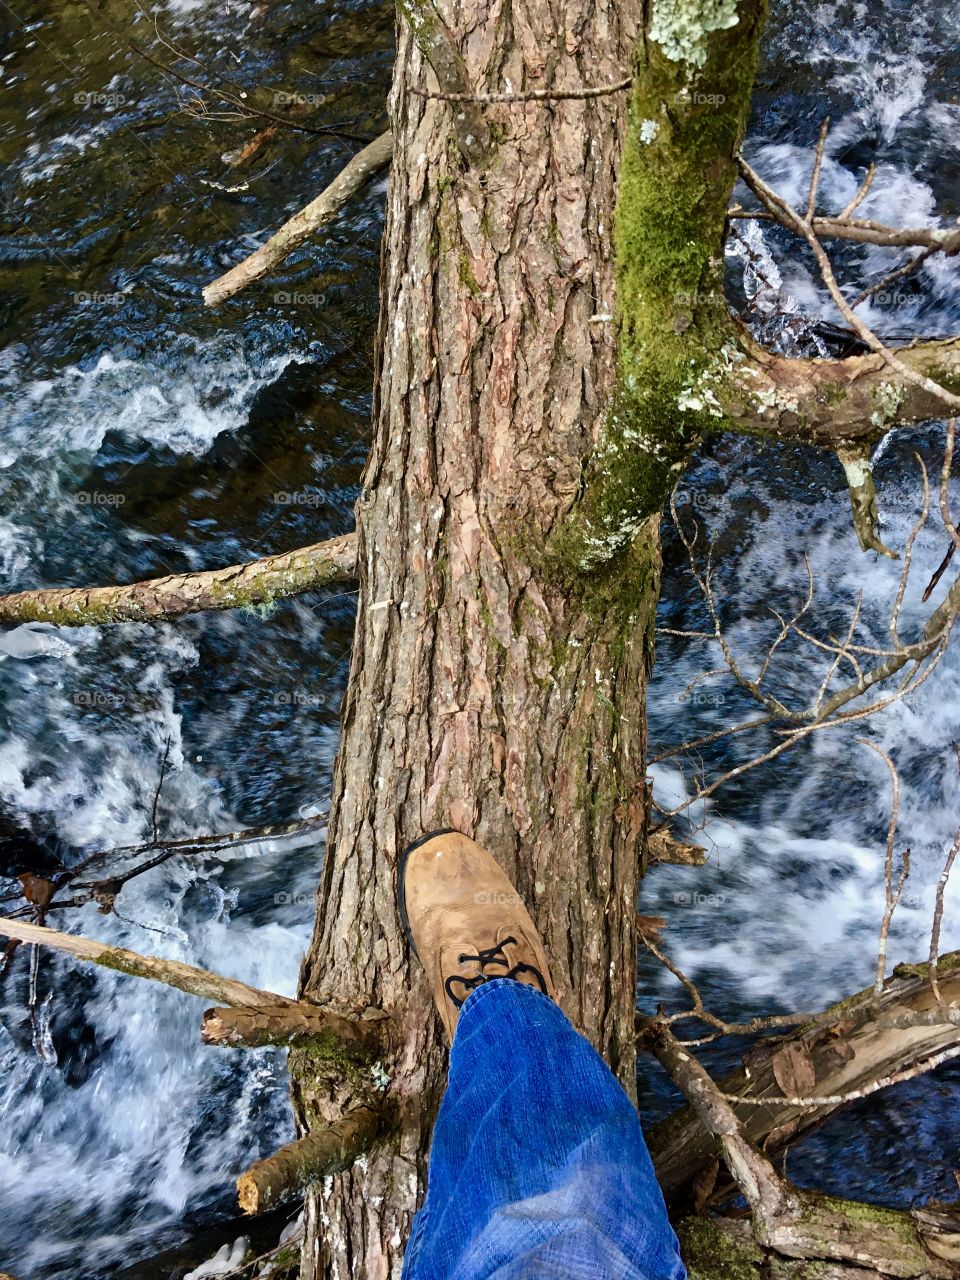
(465, 921)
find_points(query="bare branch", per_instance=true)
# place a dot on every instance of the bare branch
(788, 216)
(172, 973)
(351, 179)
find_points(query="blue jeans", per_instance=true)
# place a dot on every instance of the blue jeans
(538, 1168)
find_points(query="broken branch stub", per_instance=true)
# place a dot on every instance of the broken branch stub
(329, 1034)
(321, 1152)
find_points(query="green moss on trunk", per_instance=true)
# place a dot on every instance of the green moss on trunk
(688, 116)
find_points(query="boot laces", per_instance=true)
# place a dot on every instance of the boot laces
(489, 956)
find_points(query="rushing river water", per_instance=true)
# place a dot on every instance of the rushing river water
(142, 434)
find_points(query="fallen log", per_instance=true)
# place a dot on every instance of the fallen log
(375, 156)
(857, 1045)
(806, 1225)
(156, 599)
(321, 1152)
(720, 1247)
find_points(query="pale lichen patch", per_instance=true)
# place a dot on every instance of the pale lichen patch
(681, 27)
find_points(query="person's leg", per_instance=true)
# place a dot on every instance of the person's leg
(538, 1166)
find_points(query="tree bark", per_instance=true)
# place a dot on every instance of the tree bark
(498, 674)
(482, 696)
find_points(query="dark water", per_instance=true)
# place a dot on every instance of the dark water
(142, 434)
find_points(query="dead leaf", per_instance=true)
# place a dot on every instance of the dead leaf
(703, 1185)
(650, 926)
(663, 847)
(38, 891)
(793, 1070)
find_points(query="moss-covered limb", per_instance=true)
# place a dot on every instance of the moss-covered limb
(326, 1033)
(156, 599)
(833, 402)
(725, 1249)
(351, 179)
(694, 72)
(887, 1241)
(438, 45)
(854, 1043)
(173, 973)
(323, 1151)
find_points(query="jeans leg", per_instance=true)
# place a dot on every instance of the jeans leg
(538, 1167)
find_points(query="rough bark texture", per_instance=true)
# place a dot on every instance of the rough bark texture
(360, 1040)
(319, 1154)
(482, 696)
(498, 675)
(258, 582)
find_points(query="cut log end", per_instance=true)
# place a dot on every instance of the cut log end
(318, 1154)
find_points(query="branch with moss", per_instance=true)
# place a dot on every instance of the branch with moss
(258, 582)
(677, 173)
(172, 973)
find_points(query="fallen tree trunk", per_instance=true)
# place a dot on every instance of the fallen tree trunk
(794, 1223)
(374, 157)
(863, 1045)
(156, 599)
(726, 1247)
